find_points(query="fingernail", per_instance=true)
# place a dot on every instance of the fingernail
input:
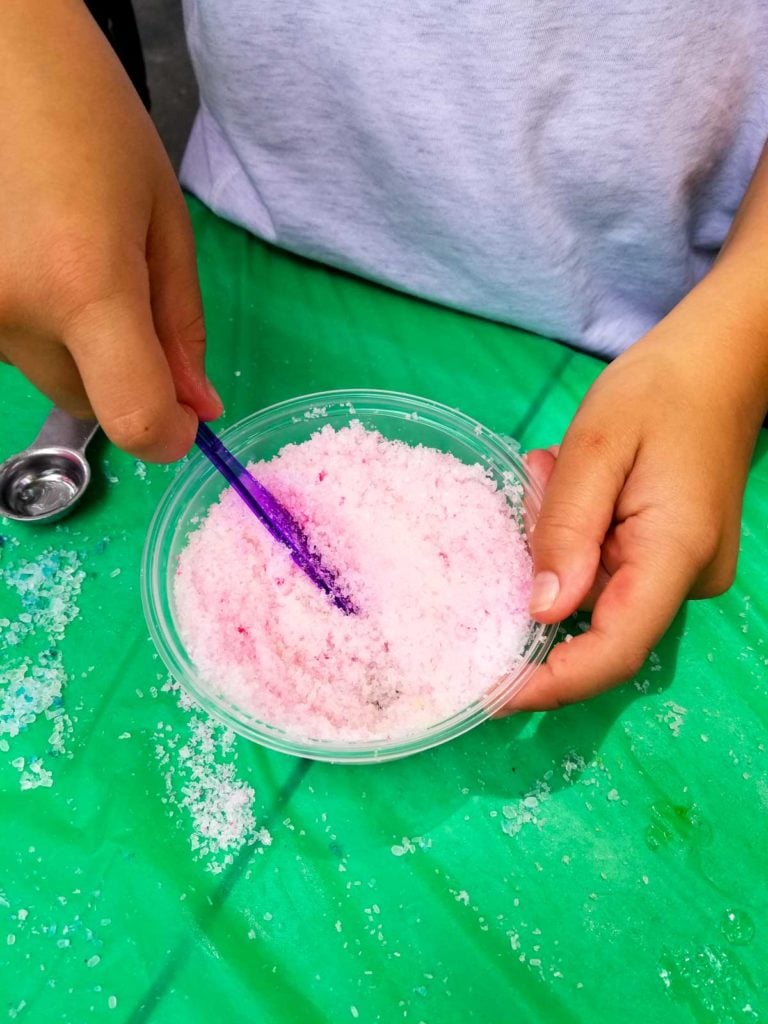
(546, 587)
(214, 394)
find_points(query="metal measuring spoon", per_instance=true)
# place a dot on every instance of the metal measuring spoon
(46, 480)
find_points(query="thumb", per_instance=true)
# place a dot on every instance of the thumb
(576, 513)
(127, 378)
(177, 309)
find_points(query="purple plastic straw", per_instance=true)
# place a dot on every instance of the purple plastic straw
(274, 515)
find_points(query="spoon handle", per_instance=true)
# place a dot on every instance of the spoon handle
(272, 514)
(60, 430)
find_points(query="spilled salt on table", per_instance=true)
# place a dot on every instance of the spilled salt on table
(428, 548)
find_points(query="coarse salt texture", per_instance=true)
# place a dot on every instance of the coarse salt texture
(427, 547)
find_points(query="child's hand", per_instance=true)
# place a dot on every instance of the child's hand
(99, 301)
(643, 501)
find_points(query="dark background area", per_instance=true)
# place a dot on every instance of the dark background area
(171, 80)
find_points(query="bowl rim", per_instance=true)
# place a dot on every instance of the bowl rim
(197, 472)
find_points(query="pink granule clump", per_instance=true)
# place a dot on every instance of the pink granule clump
(427, 547)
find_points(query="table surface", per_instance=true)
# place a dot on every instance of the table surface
(604, 862)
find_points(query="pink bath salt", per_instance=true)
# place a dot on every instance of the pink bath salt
(428, 548)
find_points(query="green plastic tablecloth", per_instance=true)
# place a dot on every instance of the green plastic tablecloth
(605, 862)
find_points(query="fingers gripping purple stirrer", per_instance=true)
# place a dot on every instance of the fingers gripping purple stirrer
(272, 514)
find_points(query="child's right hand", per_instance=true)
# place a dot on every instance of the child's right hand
(99, 300)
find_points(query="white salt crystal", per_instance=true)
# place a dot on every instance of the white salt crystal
(219, 803)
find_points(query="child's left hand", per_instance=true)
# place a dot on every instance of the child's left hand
(643, 500)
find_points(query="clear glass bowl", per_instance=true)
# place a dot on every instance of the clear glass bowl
(260, 436)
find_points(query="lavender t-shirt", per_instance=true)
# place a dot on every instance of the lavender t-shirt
(568, 167)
